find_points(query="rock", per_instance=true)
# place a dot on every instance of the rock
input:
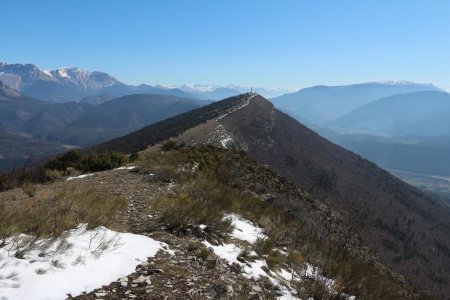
(236, 268)
(100, 294)
(211, 263)
(124, 281)
(141, 279)
(257, 288)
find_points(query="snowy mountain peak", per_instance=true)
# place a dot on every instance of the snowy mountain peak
(402, 82)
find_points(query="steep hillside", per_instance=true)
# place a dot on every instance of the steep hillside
(407, 229)
(118, 117)
(57, 115)
(16, 109)
(419, 114)
(17, 151)
(323, 103)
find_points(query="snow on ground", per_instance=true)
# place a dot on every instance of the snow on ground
(225, 141)
(95, 258)
(244, 229)
(220, 136)
(125, 168)
(78, 177)
(90, 174)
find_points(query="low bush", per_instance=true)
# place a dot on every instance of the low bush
(183, 212)
(91, 162)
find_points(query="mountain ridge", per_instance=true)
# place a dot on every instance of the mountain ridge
(321, 103)
(420, 113)
(72, 84)
(403, 224)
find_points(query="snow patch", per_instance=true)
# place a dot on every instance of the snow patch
(251, 270)
(78, 177)
(126, 168)
(244, 230)
(47, 72)
(63, 73)
(95, 257)
(225, 141)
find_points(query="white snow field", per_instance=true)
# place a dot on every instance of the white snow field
(89, 259)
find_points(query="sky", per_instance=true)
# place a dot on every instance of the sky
(288, 44)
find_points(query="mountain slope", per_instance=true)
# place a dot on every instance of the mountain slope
(226, 221)
(55, 116)
(419, 114)
(118, 117)
(323, 103)
(16, 110)
(407, 229)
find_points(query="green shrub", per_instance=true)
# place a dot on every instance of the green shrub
(133, 156)
(102, 161)
(275, 259)
(91, 162)
(171, 145)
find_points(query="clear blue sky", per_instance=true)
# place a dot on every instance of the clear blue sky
(259, 43)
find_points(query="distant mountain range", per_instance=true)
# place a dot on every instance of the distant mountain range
(319, 104)
(74, 84)
(217, 92)
(414, 114)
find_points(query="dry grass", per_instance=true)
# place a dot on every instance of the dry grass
(47, 215)
(203, 196)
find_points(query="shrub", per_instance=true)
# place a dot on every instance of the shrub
(102, 161)
(91, 162)
(183, 212)
(133, 156)
(275, 259)
(171, 145)
(71, 158)
(295, 258)
(263, 246)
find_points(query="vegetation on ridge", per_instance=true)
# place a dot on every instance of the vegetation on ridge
(207, 182)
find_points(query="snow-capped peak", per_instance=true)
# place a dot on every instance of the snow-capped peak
(402, 82)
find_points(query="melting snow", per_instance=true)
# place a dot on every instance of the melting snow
(78, 177)
(225, 141)
(126, 168)
(95, 258)
(244, 230)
